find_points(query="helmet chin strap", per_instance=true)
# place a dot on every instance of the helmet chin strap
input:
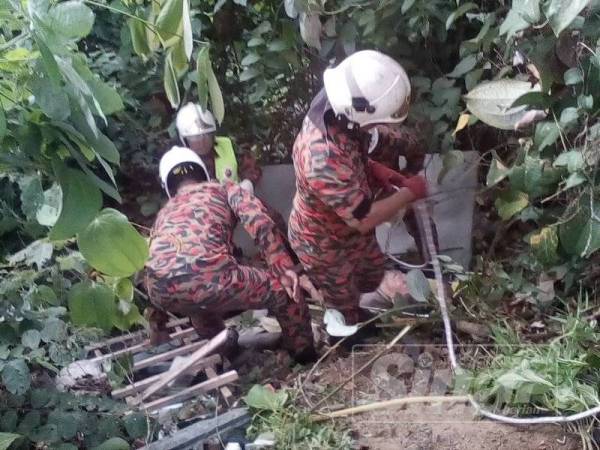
(345, 123)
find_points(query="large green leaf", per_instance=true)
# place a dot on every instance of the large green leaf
(522, 14)
(81, 200)
(510, 203)
(136, 425)
(216, 97)
(497, 172)
(100, 143)
(124, 289)
(535, 177)
(262, 398)
(111, 245)
(561, 13)
(546, 134)
(107, 96)
(310, 29)
(72, 19)
(169, 23)
(170, 82)
(203, 68)
(16, 377)
(459, 12)
(48, 59)
(6, 439)
(32, 195)
(51, 98)
(418, 286)
(581, 234)
(31, 339)
(491, 102)
(572, 160)
(92, 304)
(188, 42)
(465, 65)
(179, 59)
(139, 39)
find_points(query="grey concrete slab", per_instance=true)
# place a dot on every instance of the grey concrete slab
(276, 187)
(452, 212)
(453, 207)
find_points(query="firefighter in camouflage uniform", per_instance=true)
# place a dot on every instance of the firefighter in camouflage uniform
(336, 207)
(191, 270)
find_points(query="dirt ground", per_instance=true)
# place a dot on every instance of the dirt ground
(417, 370)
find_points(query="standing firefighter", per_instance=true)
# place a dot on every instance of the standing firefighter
(192, 271)
(197, 130)
(333, 220)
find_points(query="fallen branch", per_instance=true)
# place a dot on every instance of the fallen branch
(393, 342)
(388, 404)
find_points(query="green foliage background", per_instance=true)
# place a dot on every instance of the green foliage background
(89, 88)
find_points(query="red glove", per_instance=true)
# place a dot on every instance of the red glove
(385, 176)
(416, 185)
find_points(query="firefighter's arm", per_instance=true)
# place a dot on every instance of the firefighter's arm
(255, 219)
(337, 186)
(381, 211)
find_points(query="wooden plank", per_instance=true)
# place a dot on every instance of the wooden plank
(194, 435)
(210, 347)
(131, 336)
(192, 391)
(186, 341)
(142, 346)
(166, 356)
(139, 386)
(225, 391)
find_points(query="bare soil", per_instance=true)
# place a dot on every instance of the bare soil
(415, 371)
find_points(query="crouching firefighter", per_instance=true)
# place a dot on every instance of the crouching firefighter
(191, 270)
(335, 211)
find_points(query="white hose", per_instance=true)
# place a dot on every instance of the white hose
(441, 296)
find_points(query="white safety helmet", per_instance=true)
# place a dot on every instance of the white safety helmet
(368, 87)
(192, 120)
(175, 157)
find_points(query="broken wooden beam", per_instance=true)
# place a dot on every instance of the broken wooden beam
(131, 336)
(192, 391)
(139, 386)
(190, 437)
(142, 346)
(210, 347)
(168, 355)
(211, 373)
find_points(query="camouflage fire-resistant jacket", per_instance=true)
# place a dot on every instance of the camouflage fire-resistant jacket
(193, 231)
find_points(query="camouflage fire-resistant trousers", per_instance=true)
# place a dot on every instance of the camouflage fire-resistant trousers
(341, 270)
(208, 297)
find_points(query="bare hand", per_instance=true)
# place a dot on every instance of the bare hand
(307, 285)
(290, 282)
